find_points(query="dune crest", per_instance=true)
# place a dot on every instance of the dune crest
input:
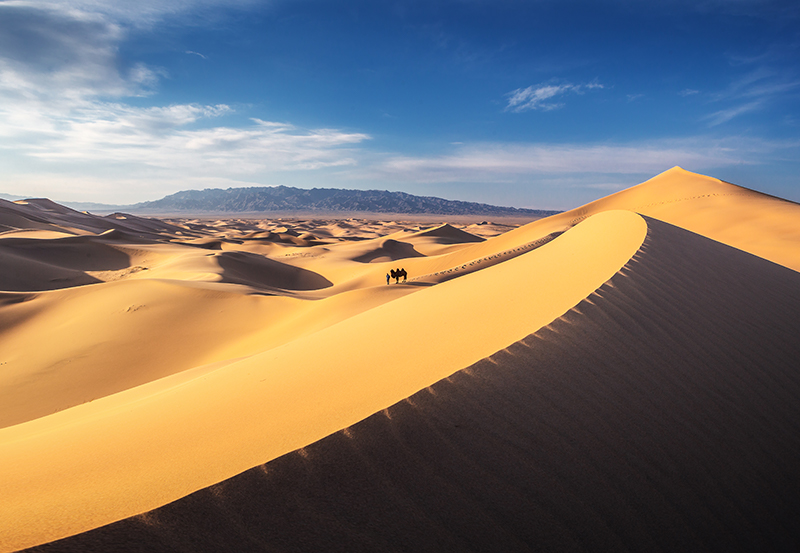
(757, 223)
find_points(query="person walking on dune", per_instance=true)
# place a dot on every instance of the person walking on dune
(387, 278)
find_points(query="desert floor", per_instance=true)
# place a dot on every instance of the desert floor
(621, 376)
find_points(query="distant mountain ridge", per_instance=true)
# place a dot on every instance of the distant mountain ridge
(285, 198)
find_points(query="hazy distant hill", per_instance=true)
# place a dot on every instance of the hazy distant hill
(284, 198)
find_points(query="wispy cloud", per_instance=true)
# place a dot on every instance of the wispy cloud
(54, 53)
(757, 89)
(65, 107)
(725, 115)
(504, 162)
(111, 133)
(196, 54)
(562, 176)
(542, 96)
(142, 13)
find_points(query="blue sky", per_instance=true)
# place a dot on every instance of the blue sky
(541, 103)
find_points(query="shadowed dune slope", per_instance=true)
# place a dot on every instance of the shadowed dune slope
(388, 250)
(262, 272)
(658, 414)
(29, 274)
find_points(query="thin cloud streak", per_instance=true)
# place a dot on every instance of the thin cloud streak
(510, 162)
(751, 92)
(143, 13)
(537, 97)
(725, 115)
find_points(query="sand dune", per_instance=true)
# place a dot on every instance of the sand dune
(48, 215)
(751, 221)
(594, 380)
(388, 250)
(216, 423)
(645, 418)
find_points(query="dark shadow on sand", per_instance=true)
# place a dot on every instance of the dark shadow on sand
(261, 272)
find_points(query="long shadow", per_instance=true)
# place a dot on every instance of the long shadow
(21, 274)
(79, 253)
(261, 272)
(392, 249)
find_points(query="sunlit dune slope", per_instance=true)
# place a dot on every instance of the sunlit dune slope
(95, 336)
(140, 448)
(757, 223)
(658, 414)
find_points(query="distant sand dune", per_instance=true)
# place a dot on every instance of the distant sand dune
(446, 234)
(659, 414)
(255, 270)
(389, 250)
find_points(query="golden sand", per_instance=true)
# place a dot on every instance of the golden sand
(144, 360)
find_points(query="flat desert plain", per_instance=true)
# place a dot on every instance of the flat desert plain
(624, 376)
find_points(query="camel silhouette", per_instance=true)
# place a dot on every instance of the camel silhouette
(396, 274)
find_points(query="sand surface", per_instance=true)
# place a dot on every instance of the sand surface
(638, 420)
(592, 379)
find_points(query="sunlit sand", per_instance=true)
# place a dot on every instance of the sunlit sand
(146, 363)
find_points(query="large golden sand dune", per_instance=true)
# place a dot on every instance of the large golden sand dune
(623, 376)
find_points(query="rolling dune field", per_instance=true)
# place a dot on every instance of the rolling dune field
(622, 376)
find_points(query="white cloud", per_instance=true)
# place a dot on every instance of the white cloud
(65, 116)
(501, 162)
(51, 53)
(754, 90)
(139, 13)
(725, 115)
(106, 133)
(562, 176)
(538, 97)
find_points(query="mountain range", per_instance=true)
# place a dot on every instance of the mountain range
(285, 198)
